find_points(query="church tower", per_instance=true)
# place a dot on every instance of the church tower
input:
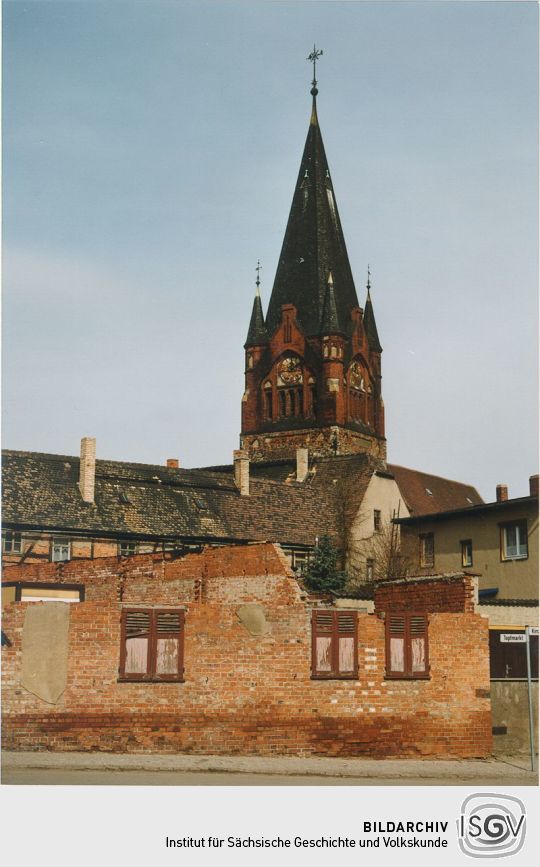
(313, 366)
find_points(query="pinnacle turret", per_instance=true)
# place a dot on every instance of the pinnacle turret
(257, 332)
(369, 320)
(330, 321)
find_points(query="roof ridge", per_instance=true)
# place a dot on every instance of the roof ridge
(433, 476)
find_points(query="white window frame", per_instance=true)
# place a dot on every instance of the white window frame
(12, 542)
(60, 543)
(466, 552)
(125, 543)
(521, 544)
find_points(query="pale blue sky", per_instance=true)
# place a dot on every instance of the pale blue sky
(150, 155)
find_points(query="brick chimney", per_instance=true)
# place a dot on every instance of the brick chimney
(172, 463)
(302, 464)
(533, 486)
(87, 472)
(241, 471)
(502, 493)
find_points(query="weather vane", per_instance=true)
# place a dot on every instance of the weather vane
(258, 280)
(313, 58)
(368, 278)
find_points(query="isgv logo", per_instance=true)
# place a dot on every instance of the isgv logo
(491, 826)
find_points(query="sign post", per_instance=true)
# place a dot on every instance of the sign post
(530, 630)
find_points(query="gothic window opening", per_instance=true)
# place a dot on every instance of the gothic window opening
(291, 402)
(268, 401)
(358, 410)
(313, 396)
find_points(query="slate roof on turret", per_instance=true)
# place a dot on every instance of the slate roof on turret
(313, 246)
(257, 333)
(370, 326)
(330, 319)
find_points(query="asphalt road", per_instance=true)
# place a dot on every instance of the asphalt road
(65, 777)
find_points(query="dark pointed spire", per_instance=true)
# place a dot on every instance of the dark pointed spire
(369, 319)
(330, 321)
(257, 333)
(313, 242)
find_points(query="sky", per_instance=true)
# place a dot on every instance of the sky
(150, 155)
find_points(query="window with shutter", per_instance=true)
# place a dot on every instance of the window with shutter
(406, 645)
(152, 645)
(334, 645)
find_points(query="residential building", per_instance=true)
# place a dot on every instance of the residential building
(498, 542)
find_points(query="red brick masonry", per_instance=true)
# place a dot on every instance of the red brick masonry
(244, 694)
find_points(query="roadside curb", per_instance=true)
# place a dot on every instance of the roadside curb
(474, 769)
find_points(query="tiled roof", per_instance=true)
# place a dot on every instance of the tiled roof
(41, 491)
(425, 494)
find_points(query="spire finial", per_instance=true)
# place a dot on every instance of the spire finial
(313, 58)
(368, 284)
(258, 280)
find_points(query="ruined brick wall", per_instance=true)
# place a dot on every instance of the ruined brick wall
(449, 593)
(243, 694)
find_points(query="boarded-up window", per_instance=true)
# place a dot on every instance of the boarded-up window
(152, 644)
(406, 645)
(334, 644)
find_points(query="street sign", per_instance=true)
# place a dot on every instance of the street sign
(532, 630)
(513, 638)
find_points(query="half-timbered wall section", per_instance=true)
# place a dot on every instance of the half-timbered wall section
(224, 652)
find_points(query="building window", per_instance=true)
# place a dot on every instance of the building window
(334, 645)
(152, 645)
(427, 549)
(300, 560)
(406, 646)
(466, 552)
(60, 550)
(12, 543)
(514, 541)
(39, 591)
(377, 526)
(370, 567)
(125, 549)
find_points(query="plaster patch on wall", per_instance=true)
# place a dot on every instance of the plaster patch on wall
(45, 650)
(253, 618)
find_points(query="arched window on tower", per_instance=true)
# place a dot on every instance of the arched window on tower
(268, 401)
(357, 392)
